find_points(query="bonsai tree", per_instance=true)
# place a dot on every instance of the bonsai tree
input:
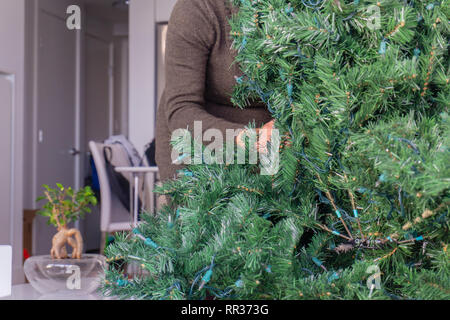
(64, 206)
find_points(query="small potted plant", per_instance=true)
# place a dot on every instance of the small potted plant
(64, 206)
(58, 273)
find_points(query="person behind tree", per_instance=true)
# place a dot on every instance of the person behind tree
(200, 77)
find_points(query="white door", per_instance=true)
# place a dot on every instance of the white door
(57, 108)
(12, 39)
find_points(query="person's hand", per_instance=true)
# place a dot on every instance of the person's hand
(264, 135)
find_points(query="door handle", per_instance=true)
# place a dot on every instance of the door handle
(74, 152)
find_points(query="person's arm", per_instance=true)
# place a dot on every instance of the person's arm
(190, 36)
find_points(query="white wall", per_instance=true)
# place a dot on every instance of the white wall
(97, 81)
(12, 58)
(144, 15)
(121, 88)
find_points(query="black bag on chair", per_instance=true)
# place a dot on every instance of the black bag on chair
(120, 186)
(149, 153)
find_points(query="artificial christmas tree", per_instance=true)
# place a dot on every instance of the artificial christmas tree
(359, 206)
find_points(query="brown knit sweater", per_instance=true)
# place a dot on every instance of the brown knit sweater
(200, 76)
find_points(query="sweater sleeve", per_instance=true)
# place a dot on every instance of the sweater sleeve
(190, 37)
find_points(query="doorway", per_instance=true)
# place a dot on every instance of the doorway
(106, 90)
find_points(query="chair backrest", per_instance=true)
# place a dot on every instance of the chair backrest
(119, 159)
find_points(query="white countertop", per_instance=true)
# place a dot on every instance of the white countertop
(27, 292)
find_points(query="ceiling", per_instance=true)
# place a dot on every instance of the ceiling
(104, 10)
